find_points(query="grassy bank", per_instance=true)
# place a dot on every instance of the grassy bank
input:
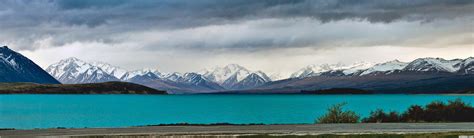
(90, 88)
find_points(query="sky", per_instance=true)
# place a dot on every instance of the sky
(275, 36)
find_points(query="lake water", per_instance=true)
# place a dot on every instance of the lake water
(79, 111)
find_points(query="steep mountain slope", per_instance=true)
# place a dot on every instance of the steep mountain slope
(15, 67)
(75, 71)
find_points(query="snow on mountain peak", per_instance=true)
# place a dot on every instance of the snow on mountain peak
(110, 69)
(14, 67)
(434, 64)
(175, 76)
(387, 66)
(312, 70)
(6, 55)
(130, 74)
(350, 69)
(315, 70)
(221, 74)
(68, 68)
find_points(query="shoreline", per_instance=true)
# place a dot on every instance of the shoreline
(228, 130)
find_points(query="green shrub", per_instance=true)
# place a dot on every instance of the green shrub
(437, 111)
(415, 113)
(337, 115)
(380, 116)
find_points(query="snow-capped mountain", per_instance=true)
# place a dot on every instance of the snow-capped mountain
(235, 77)
(73, 71)
(431, 65)
(330, 69)
(434, 65)
(115, 71)
(350, 69)
(141, 76)
(199, 81)
(175, 76)
(14, 67)
(314, 70)
(232, 74)
(221, 74)
(467, 66)
(251, 81)
(386, 67)
(141, 73)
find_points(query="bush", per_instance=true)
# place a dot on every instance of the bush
(415, 113)
(437, 111)
(337, 115)
(380, 116)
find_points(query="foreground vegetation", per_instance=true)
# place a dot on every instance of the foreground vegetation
(436, 111)
(91, 88)
(337, 115)
(421, 135)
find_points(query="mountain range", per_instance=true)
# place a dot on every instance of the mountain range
(236, 78)
(231, 77)
(422, 75)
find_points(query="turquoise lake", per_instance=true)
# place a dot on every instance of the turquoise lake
(78, 111)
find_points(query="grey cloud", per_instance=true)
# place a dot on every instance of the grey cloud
(186, 13)
(24, 22)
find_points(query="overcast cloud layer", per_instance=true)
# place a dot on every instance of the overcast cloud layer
(186, 35)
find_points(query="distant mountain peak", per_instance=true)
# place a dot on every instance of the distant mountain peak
(73, 70)
(384, 67)
(221, 74)
(251, 81)
(315, 70)
(434, 65)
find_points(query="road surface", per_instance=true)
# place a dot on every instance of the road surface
(385, 128)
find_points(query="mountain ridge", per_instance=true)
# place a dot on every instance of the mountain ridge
(234, 77)
(75, 71)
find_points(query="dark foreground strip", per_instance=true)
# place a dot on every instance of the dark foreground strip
(254, 130)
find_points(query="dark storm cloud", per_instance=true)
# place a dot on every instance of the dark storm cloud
(184, 13)
(26, 23)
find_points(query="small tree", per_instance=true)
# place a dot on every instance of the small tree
(337, 115)
(415, 113)
(379, 116)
